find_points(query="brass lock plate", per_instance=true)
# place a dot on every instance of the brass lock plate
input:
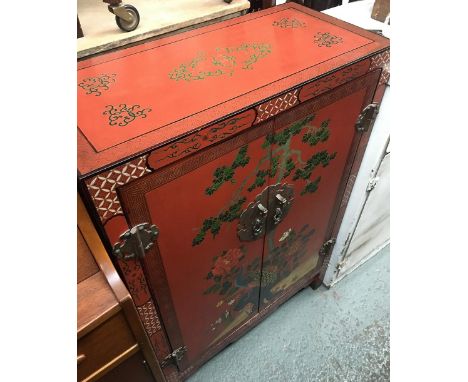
(266, 211)
(280, 198)
(252, 221)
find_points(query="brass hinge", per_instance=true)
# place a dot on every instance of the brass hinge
(340, 264)
(372, 183)
(367, 117)
(175, 357)
(136, 241)
(326, 246)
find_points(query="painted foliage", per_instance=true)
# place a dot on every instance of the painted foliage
(239, 284)
(283, 162)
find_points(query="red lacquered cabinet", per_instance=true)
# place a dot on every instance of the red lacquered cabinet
(217, 164)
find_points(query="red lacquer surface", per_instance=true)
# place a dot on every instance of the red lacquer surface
(292, 247)
(333, 80)
(179, 209)
(194, 274)
(144, 78)
(155, 123)
(197, 141)
(191, 276)
(143, 96)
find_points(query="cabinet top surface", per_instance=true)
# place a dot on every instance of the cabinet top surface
(142, 96)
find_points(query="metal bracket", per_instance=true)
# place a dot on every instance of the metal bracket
(120, 11)
(340, 265)
(326, 246)
(367, 117)
(136, 241)
(372, 183)
(175, 357)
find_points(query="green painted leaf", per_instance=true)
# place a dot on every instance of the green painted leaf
(213, 224)
(226, 173)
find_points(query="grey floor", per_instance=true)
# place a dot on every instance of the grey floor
(339, 334)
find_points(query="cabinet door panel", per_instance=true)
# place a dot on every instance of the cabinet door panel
(312, 150)
(205, 280)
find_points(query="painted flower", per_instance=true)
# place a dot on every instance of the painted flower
(226, 262)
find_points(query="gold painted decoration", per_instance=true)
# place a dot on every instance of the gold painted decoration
(286, 22)
(122, 115)
(223, 62)
(96, 85)
(326, 39)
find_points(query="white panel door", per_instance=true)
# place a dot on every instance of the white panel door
(373, 230)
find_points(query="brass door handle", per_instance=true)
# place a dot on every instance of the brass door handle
(256, 219)
(257, 227)
(279, 213)
(262, 209)
(253, 220)
(281, 199)
(259, 222)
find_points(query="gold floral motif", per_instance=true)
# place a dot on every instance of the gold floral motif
(289, 23)
(222, 62)
(95, 85)
(326, 39)
(123, 114)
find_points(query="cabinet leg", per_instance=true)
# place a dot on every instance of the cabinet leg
(316, 282)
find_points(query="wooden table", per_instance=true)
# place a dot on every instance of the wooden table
(111, 339)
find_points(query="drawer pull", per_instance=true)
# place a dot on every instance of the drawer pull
(80, 358)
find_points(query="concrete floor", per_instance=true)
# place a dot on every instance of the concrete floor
(339, 334)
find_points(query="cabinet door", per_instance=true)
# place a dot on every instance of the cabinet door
(312, 149)
(206, 281)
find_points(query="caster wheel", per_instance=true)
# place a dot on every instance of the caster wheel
(132, 24)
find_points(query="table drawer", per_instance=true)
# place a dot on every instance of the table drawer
(131, 370)
(104, 348)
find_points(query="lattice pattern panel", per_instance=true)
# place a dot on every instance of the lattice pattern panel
(102, 187)
(382, 60)
(277, 105)
(149, 317)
